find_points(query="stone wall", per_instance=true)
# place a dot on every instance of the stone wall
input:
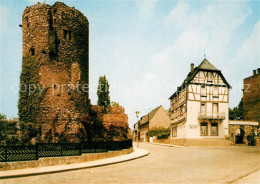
(57, 39)
(247, 128)
(115, 122)
(251, 97)
(42, 162)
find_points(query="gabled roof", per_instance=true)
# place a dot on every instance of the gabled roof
(149, 116)
(205, 65)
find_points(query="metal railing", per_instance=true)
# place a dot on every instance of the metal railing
(23, 153)
(211, 115)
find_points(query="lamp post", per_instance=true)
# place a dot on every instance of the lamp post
(137, 115)
(148, 125)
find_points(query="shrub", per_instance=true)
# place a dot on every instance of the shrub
(12, 141)
(161, 133)
(251, 139)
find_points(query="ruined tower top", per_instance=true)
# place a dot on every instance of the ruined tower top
(45, 27)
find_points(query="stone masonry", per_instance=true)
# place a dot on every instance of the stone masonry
(57, 37)
(116, 121)
(56, 41)
(251, 97)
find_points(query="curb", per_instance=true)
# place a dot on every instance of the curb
(168, 145)
(138, 153)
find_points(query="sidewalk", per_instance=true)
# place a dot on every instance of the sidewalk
(138, 153)
(161, 144)
(253, 178)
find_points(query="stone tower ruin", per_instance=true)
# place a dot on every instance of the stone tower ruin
(55, 69)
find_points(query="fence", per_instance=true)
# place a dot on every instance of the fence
(23, 153)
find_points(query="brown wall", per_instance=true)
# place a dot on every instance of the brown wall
(251, 98)
(115, 121)
(160, 119)
(64, 62)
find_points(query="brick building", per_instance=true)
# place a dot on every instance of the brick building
(251, 97)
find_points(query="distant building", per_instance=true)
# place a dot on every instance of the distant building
(157, 118)
(251, 97)
(199, 107)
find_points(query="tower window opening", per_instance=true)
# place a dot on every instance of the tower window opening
(70, 36)
(27, 20)
(65, 33)
(31, 51)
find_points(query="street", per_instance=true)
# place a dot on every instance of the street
(165, 165)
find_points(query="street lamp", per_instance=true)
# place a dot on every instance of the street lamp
(137, 115)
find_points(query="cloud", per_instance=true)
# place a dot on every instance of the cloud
(208, 27)
(146, 8)
(247, 58)
(250, 48)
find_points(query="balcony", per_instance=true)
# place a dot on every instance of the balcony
(212, 115)
(179, 119)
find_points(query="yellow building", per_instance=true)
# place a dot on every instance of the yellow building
(157, 118)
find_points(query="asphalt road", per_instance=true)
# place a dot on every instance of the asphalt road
(165, 165)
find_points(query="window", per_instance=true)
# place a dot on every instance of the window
(210, 77)
(204, 128)
(215, 109)
(215, 92)
(214, 128)
(65, 32)
(27, 21)
(203, 108)
(174, 131)
(69, 35)
(203, 91)
(32, 52)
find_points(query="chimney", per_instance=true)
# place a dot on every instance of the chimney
(258, 70)
(254, 72)
(191, 67)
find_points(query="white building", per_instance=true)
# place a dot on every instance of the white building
(199, 108)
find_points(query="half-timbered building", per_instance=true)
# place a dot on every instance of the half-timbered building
(199, 107)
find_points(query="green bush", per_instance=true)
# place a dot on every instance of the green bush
(12, 140)
(251, 139)
(161, 133)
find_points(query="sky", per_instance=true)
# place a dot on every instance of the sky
(145, 47)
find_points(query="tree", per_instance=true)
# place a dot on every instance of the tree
(103, 92)
(241, 108)
(231, 114)
(2, 116)
(115, 104)
(236, 112)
